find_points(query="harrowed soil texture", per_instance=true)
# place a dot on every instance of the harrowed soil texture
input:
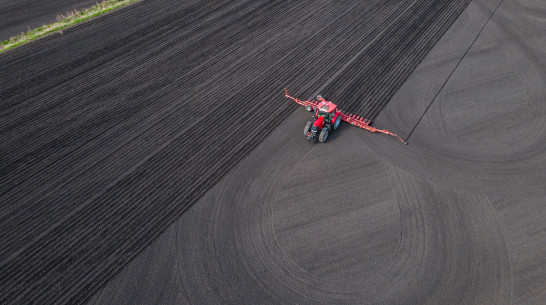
(149, 156)
(18, 16)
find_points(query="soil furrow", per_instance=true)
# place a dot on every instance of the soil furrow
(220, 102)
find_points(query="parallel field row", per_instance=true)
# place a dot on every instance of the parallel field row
(105, 145)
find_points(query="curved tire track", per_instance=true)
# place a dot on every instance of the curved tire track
(95, 219)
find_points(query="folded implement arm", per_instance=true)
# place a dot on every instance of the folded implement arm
(347, 117)
(303, 103)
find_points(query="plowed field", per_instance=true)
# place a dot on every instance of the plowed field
(113, 130)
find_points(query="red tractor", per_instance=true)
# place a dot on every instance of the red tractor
(326, 119)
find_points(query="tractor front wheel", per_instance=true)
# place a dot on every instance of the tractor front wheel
(307, 127)
(323, 135)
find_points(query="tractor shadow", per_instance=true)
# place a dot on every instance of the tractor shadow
(343, 128)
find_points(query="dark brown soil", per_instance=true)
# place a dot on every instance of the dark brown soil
(112, 131)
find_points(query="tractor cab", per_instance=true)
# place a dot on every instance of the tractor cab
(326, 109)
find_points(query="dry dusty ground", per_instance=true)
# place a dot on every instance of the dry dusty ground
(104, 145)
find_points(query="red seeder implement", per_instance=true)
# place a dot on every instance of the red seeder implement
(328, 112)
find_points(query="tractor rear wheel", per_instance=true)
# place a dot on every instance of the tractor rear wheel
(307, 127)
(337, 122)
(323, 135)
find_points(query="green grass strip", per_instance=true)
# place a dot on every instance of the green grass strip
(64, 21)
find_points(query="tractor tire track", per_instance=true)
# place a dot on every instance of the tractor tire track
(94, 218)
(367, 86)
(456, 217)
(60, 208)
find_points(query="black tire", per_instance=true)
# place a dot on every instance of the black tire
(309, 108)
(307, 127)
(323, 135)
(337, 122)
(319, 97)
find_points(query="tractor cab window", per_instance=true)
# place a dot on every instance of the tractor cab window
(324, 114)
